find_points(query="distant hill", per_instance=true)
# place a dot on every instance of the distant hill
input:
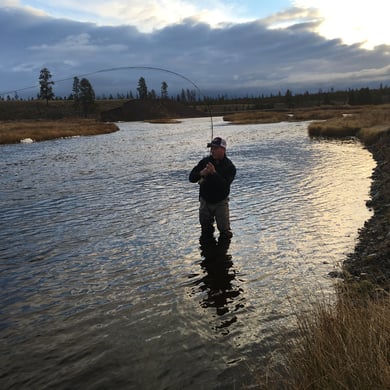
(140, 110)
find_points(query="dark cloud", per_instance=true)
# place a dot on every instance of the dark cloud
(246, 58)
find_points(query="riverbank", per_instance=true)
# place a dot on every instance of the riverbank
(42, 130)
(371, 258)
(370, 262)
(290, 115)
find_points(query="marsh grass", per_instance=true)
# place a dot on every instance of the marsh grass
(250, 117)
(293, 115)
(341, 345)
(15, 131)
(163, 121)
(367, 124)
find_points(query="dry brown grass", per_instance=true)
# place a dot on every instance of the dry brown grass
(323, 113)
(342, 127)
(341, 346)
(367, 124)
(347, 346)
(40, 130)
(250, 117)
(163, 121)
(308, 114)
(369, 135)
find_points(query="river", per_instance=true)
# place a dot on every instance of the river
(103, 282)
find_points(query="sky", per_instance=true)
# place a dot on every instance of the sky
(221, 47)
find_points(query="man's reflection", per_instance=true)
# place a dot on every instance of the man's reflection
(218, 281)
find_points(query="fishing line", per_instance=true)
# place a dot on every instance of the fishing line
(126, 68)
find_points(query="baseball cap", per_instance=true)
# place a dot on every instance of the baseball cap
(217, 141)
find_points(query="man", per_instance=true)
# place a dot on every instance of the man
(214, 174)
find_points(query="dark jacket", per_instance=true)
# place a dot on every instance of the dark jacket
(214, 188)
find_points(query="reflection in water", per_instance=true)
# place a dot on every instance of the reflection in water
(219, 281)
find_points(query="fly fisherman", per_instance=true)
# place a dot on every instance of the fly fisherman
(214, 174)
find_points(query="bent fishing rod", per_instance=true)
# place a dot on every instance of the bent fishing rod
(133, 67)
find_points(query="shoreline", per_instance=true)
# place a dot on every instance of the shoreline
(13, 132)
(370, 260)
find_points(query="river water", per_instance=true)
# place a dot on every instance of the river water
(103, 283)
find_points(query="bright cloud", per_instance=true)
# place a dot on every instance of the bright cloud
(354, 21)
(146, 15)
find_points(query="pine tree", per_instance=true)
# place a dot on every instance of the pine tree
(46, 85)
(142, 89)
(87, 96)
(76, 93)
(164, 90)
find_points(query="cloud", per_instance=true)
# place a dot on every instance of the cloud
(147, 15)
(354, 21)
(241, 58)
(293, 17)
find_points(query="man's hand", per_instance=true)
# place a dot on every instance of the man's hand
(208, 170)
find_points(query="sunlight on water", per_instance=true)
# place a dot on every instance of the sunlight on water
(104, 283)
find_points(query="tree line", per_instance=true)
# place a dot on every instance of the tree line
(83, 96)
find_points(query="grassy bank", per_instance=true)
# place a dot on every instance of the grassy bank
(38, 121)
(368, 124)
(15, 131)
(344, 346)
(341, 346)
(293, 115)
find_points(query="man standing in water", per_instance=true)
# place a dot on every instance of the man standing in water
(214, 174)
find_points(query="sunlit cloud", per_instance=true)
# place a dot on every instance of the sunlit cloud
(292, 17)
(10, 3)
(146, 15)
(353, 21)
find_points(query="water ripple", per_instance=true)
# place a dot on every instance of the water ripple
(101, 268)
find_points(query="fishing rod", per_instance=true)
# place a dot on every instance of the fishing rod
(132, 67)
(166, 71)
